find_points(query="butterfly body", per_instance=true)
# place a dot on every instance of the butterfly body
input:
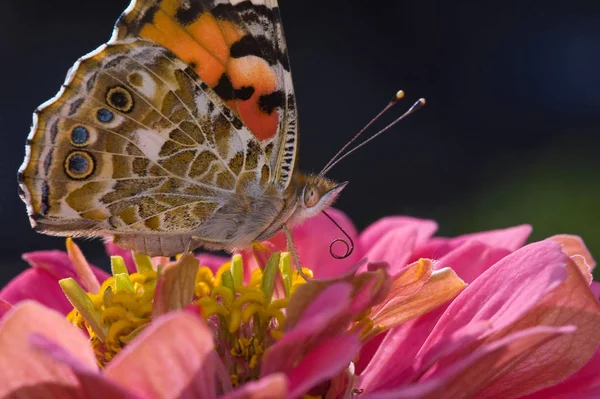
(180, 132)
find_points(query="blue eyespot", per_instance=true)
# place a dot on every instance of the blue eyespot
(79, 165)
(79, 135)
(104, 115)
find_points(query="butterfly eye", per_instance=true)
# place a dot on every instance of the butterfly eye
(120, 99)
(311, 196)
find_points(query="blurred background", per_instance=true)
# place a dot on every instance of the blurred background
(510, 133)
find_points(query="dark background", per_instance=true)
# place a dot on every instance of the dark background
(510, 133)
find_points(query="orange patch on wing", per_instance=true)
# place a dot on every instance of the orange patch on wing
(202, 43)
(255, 72)
(206, 30)
(263, 126)
(231, 31)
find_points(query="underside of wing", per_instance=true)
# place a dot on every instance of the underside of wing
(135, 143)
(238, 49)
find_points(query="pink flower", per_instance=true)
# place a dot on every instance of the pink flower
(526, 326)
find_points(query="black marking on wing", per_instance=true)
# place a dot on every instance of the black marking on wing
(269, 102)
(227, 92)
(45, 204)
(75, 106)
(187, 15)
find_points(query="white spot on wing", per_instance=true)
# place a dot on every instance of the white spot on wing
(150, 142)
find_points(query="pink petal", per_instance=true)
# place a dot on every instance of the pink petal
(368, 351)
(575, 248)
(392, 363)
(115, 250)
(175, 286)
(375, 232)
(93, 385)
(393, 239)
(441, 287)
(314, 321)
(469, 376)
(470, 259)
(312, 240)
(506, 291)
(595, 287)
(4, 307)
(23, 366)
(511, 238)
(491, 362)
(409, 281)
(435, 248)
(323, 363)
(273, 386)
(329, 300)
(572, 303)
(86, 275)
(583, 384)
(37, 284)
(172, 358)
(59, 265)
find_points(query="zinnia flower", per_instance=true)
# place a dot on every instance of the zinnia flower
(527, 323)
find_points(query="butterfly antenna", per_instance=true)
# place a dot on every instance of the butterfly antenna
(338, 157)
(399, 96)
(348, 242)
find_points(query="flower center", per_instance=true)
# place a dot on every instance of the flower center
(246, 318)
(118, 312)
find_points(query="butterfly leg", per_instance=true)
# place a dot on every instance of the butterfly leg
(292, 249)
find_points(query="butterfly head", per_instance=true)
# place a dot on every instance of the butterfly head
(315, 194)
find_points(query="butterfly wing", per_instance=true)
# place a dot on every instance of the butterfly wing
(238, 48)
(143, 140)
(135, 143)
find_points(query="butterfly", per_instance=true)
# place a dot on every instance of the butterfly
(180, 132)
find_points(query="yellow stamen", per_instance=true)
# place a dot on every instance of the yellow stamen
(247, 316)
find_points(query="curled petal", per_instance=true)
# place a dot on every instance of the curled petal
(175, 285)
(443, 286)
(575, 248)
(407, 283)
